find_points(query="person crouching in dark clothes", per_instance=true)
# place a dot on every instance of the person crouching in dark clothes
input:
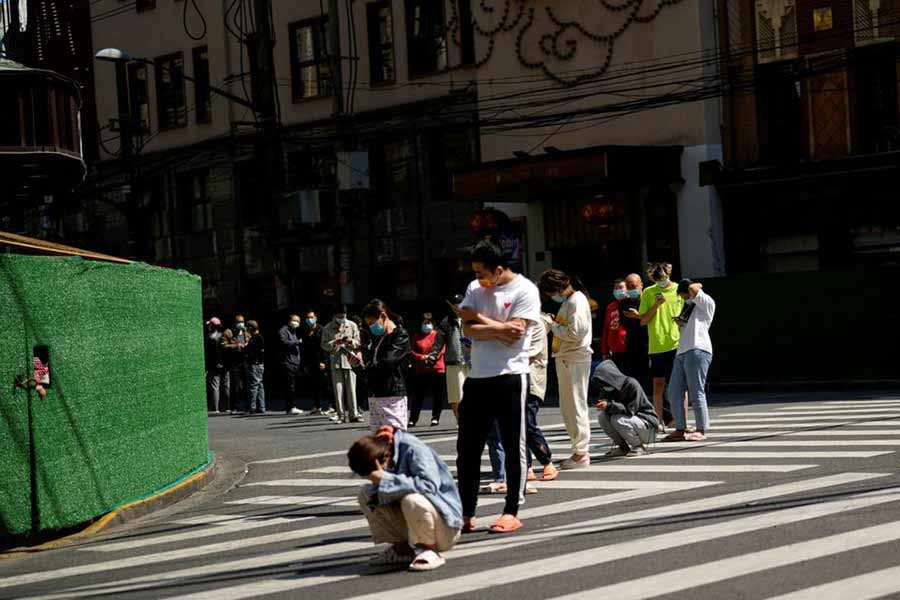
(626, 415)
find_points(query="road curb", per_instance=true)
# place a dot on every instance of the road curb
(128, 512)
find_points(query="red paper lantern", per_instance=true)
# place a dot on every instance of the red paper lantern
(487, 221)
(600, 212)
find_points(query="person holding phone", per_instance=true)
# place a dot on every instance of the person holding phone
(692, 360)
(341, 341)
(660, 304)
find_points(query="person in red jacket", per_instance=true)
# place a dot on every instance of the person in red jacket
(429, 373)
(612, 346)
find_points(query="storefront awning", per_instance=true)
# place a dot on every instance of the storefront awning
(612, 167)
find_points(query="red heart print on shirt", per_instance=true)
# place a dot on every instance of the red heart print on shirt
(507, 304)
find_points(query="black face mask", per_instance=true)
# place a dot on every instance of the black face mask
(607, 392)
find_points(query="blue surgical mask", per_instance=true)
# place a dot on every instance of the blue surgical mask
(340, 320)
(559, 299)
(634, 294)
(311, 322)
(240, 326)
(619, 294)
(427, 328)
(376, 329)
(663, 283)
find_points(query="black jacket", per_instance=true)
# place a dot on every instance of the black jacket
(386, 358)
(255, 352)
(625, 394)
(291, 347)
(212, 350)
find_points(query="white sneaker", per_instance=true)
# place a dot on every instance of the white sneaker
(636, 453)
(336, 419)
(296, 411)
(569, 464)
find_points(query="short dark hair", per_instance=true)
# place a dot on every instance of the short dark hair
(553, 280)
(489, 254)
(659, 270)
(374, 309)
(617, 282)
(251, 324)
(366, 450)
(684, 286)
(340, 309)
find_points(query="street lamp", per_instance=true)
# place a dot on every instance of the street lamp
(121, 57)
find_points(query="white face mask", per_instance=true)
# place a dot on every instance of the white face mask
(295, 324)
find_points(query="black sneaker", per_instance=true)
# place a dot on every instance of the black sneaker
(411, 425)
(435, 422)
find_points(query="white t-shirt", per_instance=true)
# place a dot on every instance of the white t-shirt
(518, 299)
(695, 335)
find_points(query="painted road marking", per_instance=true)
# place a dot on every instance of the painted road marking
(877, 584)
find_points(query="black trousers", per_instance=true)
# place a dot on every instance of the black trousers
(534, 437)
(484, 400)
(314, 382)
(291, 384)
(423, 383)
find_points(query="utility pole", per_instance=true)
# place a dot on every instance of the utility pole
(341, 226)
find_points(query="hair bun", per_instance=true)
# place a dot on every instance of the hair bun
(387, 432)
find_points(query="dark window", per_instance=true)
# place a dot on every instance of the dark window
(426, 38)
(201, 85)
(392, 177)
(875, 78)
(193, 203)
(381, 42)
(171, 111)
(142, 5)
(780, 113)
(466, 33)
(10, 133)
(310, 67)
(139, 98)
(449, 151)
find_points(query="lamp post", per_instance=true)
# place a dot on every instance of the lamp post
(121, 57)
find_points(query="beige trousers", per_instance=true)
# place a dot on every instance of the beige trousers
(413, 520)
(573, 392)
(456, 377)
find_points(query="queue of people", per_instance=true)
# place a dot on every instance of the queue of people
(655, 344)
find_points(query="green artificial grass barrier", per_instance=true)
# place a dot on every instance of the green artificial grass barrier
(125, 411)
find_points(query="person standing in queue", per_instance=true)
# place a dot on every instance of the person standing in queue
(429, 372)
(614, 338)
(449, 341)
(660, 304)
(341, 340)
(498, 315)
(291, 363)
(572, 335)
(385, 355)
(313, 362)
(636, 360)
(255, 353)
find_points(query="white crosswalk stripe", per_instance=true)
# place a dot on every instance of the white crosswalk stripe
(274, 549)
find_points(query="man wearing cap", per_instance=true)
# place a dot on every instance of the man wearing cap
(216, 375)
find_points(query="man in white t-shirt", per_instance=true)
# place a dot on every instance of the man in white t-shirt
(498, 313)
(692, 360)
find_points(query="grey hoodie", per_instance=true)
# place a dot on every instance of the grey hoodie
(628, 398)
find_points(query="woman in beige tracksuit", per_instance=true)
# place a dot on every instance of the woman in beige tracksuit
(572, 334)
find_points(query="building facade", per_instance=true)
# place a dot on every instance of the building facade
(395, 124)
(811, 135)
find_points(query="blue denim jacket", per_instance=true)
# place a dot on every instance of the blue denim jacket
(417, 469)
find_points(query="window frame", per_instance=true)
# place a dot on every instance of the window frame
(412, 50)
(202, 91)
(187, 206)
(324, 86)
(377, 46)
(159, 65)
(134, 102)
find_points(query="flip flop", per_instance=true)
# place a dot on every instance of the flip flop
(530, 489)
(531, 476)
(469, 525)
(505, 524)
(550, 473)
(429, 560)
(675, 436)
(494, 487)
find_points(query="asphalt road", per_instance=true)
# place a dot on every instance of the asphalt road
(793, 496)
